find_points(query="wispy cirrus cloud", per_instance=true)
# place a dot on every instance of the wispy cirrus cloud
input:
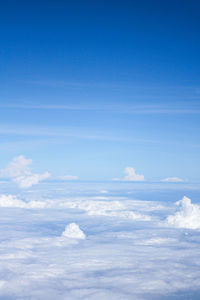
(38, 135)
(69, 132)
(180, 108)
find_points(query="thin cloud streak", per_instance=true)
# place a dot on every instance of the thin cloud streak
(127, 85)
(55, 132)
(59, 132)
(144, 109)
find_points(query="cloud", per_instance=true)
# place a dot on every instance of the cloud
(120, 214)
(74, 232)
(31, 179)
(125, 109)
(51, 131)
(18, 166)
(19, 171)
(51, 265)
(103, 192)
(11, 201)
(172, 179)
(69, 177)
(187, 217)
(14, 201)
(96, 206)
(130, 175)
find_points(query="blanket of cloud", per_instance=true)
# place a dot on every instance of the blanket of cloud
(70, 240)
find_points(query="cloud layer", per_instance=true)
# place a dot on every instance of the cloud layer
(113, 247)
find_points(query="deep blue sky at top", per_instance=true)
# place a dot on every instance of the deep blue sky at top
(89, 87)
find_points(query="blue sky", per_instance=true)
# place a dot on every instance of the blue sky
(90, 87)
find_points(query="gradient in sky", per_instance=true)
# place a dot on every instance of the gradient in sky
(90, 87)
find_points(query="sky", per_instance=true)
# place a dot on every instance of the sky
(99, 149)
(90, 88)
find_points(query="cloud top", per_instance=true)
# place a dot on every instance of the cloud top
(130, 175)
(19, 172)
(188, 215)
(17, 167)
(74, 232)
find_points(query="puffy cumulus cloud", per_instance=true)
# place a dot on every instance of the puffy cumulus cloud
(11, 201)
(69, 177)
(74, 232)
(19, 171)
(18, 166)
(27, 181)
(131, 175)
(187, 217)
(172, 179)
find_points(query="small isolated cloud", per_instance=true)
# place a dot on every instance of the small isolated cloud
(26, 181)
(69, 177)
(103, 192)
(73, 231)
(187, 217)
(172, 179)
(19, 171)
(131, 175)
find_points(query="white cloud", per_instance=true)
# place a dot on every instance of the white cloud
(18, 166)
(155, 260)
(120, 214)
(31, 179)
(19, 171)
(73, 231)
(69, 177)
(96, 206)
(11, 201)
(103, 192)
(172, 179)
(187, 217)
(130, 175)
